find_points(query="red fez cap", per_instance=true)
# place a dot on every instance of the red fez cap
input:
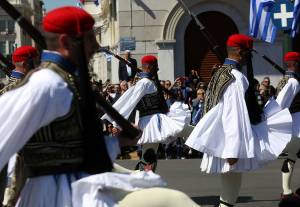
(149, 59)
(240, 40)
(23, 53)
(292, 56)
(68, 20)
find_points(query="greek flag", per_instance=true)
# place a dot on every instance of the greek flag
(261, 25)
(296, 22)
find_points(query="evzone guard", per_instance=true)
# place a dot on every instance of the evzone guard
(230, 142)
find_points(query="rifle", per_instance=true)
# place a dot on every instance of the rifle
(106, 50)
(275, 65)
(254, 110)
(128, 129)
(23, 23)
(213, 44)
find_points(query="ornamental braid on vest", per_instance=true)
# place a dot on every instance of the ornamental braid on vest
(295, 105)
(60, 147)
(219, 82)
(153, 103)
(13, 82)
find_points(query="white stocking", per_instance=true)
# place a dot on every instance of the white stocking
(231, 184)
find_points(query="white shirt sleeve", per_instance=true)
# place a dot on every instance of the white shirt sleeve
(235, 118)
(128, 101)
(26, 109)
(287, 94)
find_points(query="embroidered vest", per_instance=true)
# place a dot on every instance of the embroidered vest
(13, 82)
(60, 147)
(219, 82)
(152, 103)
(295, 105)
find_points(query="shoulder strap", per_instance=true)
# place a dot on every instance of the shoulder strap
(281, 84)
(70, 79)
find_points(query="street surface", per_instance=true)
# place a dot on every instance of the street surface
(259, 188)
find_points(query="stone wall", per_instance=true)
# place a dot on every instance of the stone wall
(159, 28)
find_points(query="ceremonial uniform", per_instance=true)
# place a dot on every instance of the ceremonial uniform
(21, 57)
(289, 97)
(225, 131)
(42, 119)
(45, 110)
(14, 79)
(157, 123)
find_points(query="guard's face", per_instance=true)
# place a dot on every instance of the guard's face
(292, 66)
(154, 68)
(91, 45)
(69, 46)
(244, 54)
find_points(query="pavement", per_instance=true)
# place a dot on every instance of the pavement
(260, 188)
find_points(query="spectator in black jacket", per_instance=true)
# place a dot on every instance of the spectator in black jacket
(126, 72)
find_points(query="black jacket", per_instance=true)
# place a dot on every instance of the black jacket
(123, 74)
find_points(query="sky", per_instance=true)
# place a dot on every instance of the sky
(50, 4)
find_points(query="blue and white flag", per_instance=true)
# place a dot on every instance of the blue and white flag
(261, 25)
(296, 22)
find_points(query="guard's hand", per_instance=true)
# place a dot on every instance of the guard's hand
(124, 140)
(232, 161)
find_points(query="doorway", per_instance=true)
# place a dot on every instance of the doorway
(198, 55)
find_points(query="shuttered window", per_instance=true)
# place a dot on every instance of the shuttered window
(209, 60)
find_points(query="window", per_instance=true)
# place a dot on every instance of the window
(113, 10)
(2, 47)
(11, 47)
(10, 26)
(2, 25)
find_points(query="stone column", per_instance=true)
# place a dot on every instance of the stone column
(166, 59)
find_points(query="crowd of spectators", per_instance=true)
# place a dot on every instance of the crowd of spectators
(191, 91)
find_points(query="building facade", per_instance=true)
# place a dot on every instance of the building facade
(11, 35)
(164, 29)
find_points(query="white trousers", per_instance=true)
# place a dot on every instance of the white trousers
(292, 149)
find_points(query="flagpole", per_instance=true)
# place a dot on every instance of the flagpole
(287, 41)
(296, 35)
